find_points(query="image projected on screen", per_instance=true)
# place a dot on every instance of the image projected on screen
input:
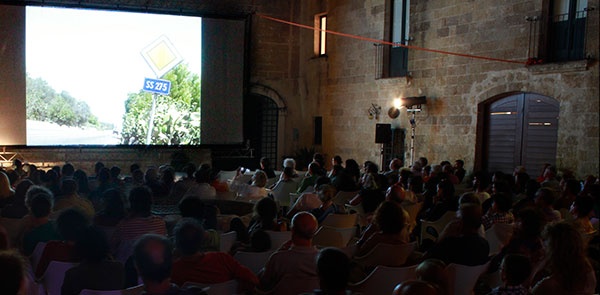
(112, 78)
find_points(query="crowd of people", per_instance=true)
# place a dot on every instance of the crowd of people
(104, 222)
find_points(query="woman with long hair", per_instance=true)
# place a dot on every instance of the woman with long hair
(570, 269)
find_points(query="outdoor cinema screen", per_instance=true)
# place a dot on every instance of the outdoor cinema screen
(98, 77)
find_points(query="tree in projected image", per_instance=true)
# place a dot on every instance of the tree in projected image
(176, 117)
(45, 105)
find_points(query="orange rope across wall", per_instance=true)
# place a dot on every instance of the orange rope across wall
(389, 43)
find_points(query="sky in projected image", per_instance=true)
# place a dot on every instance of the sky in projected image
(96, 57)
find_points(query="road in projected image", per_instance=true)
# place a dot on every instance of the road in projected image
(44, 133)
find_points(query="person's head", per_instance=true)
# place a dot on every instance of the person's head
(336, 161)
(445, 190)
(115, 171)
(502, 202)
(319, 159)
(304, 226)
(153, 258)
(545, 197)
(529, 223)
(70, 223)
(167, 175)
(203, 175)
(140, 200)
(469, 198)
(189, 234)
(566, 251)
(415, 287)
(265, 163)
(259, 178)
(82, 180)
(423, 161)
(515, 269)
(395, 193)
(288, 173)
(289, 162)
(35, 190)
(5, 189)
(21, 190)
(572, 187)
(265, 209)
(13, 277)
(41, 205)
(151, 175)
(415, 184)
(583, 206)
(370, 167)
(133, 167)
(333, 269)
(67, 170)
(97, 167)
(326, 193)
(68, 186)
(389, 217)
(459, 164)
(189, 169)
(321, 180)
(550, 172)
(113, 203)
(260, 241)
(313, 168)
(470, 215)
(92, 245)
(191, 207)
(433, 271)
(395, 164)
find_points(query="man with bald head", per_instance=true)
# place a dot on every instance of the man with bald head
(298, 261)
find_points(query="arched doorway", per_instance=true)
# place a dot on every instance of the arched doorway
(518, 129)
(261, 118)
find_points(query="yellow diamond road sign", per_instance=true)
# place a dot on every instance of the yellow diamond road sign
(161, 56)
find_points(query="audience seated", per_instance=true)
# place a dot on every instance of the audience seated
(434, 272)
(205, 267)
(83, 186)
(310, 200)
(96, 271)
(514, 271)
(17, 208)
(296, 258)
(581, 211)
(326, 193)
(290, 162)
(13, 278)
(69, 223)
(544, 198)
(415, 287)
(181, 186)
(70, 199)
(469, 248)
(42, 229)
(6, 191)
(265, 166)
(311, 176)
(333, 269)
(499, 211)
(387, 227)
(201, 188)
(154, 259)
(139, 221)
(250, 192)
(112, 209)
(570, 271)
(264, 217)
(284, 186)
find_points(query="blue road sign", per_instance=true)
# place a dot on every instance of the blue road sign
(157, 86)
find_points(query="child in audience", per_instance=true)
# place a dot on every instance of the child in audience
(514, 270)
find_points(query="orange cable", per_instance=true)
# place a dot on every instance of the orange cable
(387, 42)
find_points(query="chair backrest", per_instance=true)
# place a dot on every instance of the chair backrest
(498, 235)
(124, 250)
(340, 220)
(383, 279)
(360, 213)
(342, 198)
(227, 195)
(282, 191)
(328, 237)
(278, 238)
(225, 288)
(227, 241)
(136, 290)
(36, 255)
(226, 175)
(291, 285)
(54, 276)
(387, 255)
(462, 278)
(432, 229)
(255, 261)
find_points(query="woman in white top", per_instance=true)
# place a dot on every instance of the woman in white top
(250, 192)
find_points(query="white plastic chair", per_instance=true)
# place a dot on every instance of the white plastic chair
(54, 276)
(226, 288)
(340, 220)
(342, 198)
(328, 237)
(432, 229)
(383, 279)
(387, 255)
(292, 285)
(36, 255)
(224, 176)
(462, 278)
(498, 235)
(136, 290)
(413, 210)
(278, 238)
(255, 261)
(227, 241)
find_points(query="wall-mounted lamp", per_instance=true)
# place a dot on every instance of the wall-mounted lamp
(412, 104)
(374, 111)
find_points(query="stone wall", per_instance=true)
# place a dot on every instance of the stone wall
(343, 89)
